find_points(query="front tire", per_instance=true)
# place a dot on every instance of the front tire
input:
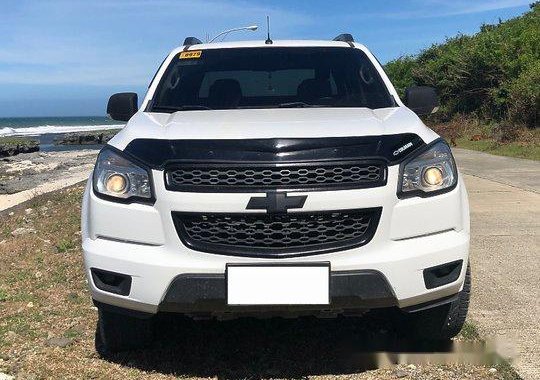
(442, 322)
(118, 332)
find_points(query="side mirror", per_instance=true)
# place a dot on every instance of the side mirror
(422, 100)
(122, 106)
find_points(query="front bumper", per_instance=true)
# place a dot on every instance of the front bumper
(154, 274)
(141, 241)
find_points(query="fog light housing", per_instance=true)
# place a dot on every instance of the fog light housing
(112, 282)
(442, 274)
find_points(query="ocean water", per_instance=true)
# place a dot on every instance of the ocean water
(37, 126)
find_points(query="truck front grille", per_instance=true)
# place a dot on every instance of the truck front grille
(242, 177)
(277, 235)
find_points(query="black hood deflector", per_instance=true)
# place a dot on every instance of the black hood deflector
(157, 153)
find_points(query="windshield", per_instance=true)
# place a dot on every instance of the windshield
(270, 78)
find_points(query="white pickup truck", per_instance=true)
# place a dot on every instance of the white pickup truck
(274, 178)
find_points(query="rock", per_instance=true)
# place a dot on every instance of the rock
(411, 366)
(23, 231)
(86, 138)
(5, 376)
(28, 211)
(10, 146)
(11, 213)
(59, 342)
(400, 373)
(493, 370)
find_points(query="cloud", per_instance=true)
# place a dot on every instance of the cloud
(116, 41)
(443, 8)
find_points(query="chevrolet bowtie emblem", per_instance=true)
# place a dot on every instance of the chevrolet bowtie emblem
(276, 202)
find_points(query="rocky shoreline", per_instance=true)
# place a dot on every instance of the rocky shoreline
(14, 145)
(86, 138)
(11, 146)
(35, 165)
(27, 171)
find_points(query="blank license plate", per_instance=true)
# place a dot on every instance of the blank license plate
(278, 285)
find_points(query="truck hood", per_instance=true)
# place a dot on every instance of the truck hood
(272, 123)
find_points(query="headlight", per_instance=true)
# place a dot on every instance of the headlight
(431, 172)
(117, 177)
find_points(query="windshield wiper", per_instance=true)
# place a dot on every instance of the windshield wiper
(298, 105)
(181, 108)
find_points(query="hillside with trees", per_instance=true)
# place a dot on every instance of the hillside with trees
(489, 81)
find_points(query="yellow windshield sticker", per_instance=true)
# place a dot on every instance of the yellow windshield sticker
(190, 54)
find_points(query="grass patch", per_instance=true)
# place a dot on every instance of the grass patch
(3, 295)
(14, 140)
(513, 149)
(501, 139)
(23, 297)
(65, 245)
(22, 326)
(72, 333)
(507, 372)
(469, 332)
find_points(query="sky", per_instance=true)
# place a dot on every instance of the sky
(66, 57)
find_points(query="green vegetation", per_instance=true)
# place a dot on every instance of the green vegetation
(494, 74)
(65, 245)
(513, 149)
(500, 138)
(10, 146)
(507, 372)
(488, 83)
(469, 332)
(13, 140)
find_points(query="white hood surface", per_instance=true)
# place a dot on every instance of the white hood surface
(272, 123)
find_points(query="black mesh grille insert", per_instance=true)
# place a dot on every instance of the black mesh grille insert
(233, 177)
(271, 235)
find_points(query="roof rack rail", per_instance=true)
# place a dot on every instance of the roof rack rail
(192, 41)
(344, 37)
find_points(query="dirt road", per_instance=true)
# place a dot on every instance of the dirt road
(504, 196)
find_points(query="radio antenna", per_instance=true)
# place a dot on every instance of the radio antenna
(268, 40)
